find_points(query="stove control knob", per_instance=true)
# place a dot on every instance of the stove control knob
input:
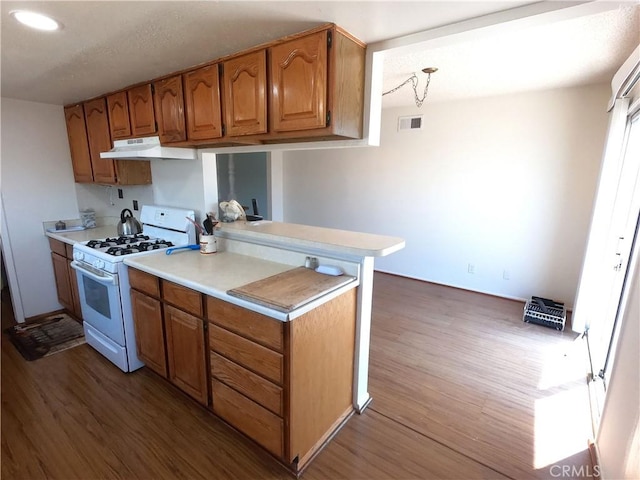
(78, 256)
(98, 264)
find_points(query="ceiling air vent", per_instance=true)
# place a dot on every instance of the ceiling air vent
(413, 122)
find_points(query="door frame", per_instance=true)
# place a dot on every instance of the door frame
(10, 267)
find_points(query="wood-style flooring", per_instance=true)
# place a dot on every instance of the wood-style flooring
(461, 388)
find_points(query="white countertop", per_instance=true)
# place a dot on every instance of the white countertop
(215, 274)
(84, 235)
(290, 235)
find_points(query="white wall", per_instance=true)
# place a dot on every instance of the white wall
(182, 183)
(37, 186)
(503, 183)
(103, 199)
(174, 183)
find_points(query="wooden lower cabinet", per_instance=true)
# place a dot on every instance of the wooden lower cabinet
(169, 337)
(149, 326)
(320, 371)
(186, 352)
(63, 282)
(285, 385)
(65, 276)
(296, 391)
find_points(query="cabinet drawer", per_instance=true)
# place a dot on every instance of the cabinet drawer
(250, 418)
(248, 354)
(182, 297)
(248, 383)
(144, 282)
(57, 246)
(255, 326)
(69, 250)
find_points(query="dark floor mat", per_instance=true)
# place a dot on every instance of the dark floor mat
(47, 336)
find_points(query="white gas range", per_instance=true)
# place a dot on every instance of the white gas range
(103, 279)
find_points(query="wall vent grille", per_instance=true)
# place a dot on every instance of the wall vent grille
(412, 122)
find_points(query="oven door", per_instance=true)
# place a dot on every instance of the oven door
(100, 301)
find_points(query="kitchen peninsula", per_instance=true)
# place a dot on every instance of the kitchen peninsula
(288, 379)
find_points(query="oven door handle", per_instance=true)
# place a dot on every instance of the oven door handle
(105, 280)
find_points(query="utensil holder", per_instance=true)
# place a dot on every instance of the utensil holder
(208, 244)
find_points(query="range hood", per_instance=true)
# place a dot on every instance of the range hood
(147, 148)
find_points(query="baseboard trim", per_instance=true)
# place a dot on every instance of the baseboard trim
(360, 410)
(491, 294)
(458, 287)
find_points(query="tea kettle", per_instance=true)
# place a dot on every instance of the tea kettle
(128, 225)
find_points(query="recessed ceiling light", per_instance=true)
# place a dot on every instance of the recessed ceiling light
(36, 20)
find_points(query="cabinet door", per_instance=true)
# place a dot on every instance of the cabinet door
(245, 82)
(61, 274)
(147, 319)
(186, 352)
(75, 294)
(299, 83)
(133, 173)
(169, 107)
(78, 143)
(142, 116)
(202, 103)
(95, 113)
(119, 124)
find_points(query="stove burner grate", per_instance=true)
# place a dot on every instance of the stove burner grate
(158, 244)
(100, 243)
(126, 239)
(126, 245)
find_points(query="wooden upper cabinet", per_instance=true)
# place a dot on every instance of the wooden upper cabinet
(169, 108)
(142, 116)
(95, 113)
(119, 124)
(88, 132)
(245, 90)
(304, 87)
(78, 143)
(298, 77)
(202, 103)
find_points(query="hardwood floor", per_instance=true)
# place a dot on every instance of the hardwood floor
(461, 388)
(463, 369)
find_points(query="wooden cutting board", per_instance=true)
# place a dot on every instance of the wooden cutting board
(289, 290)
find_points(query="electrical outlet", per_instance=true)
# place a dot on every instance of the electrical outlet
(471, 268)
(506, 275)
(135, 204)
(120, 194)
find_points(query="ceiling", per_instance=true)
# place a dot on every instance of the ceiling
(105, 46)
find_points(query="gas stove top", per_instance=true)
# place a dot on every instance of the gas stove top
(162, 227)
(128, 244)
